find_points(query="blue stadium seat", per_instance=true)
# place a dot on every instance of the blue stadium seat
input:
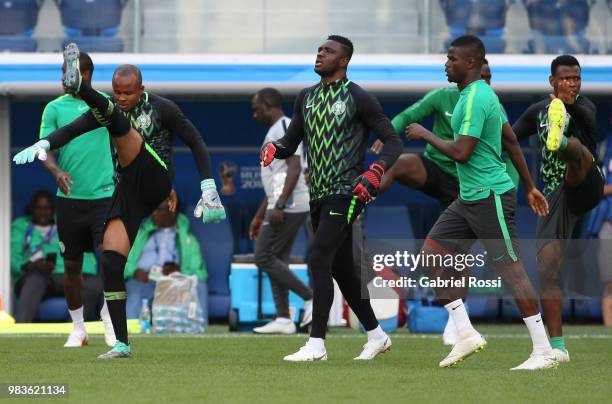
(53, 309)
(217, 246)
(300, 246)
(484, 18)
(587, 310)
(526, 222)
(95, 43)
(92, 24)
(510, 311)
(19, 20)
(483, 307)
(558, 26)
(388, 222)
(559, 44)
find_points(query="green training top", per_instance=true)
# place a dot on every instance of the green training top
(478, 114)
(439, 102)
(87, 159)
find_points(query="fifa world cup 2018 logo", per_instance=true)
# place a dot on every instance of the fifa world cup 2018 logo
(227, 172)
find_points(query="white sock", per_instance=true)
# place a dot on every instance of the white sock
(282, 320)
(376, 334)
(77, 319)
(456, 311)
(317, 344)
(104, 314)
(535, 325)
(450, 328)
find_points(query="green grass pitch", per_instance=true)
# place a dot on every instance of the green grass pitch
(240, 367)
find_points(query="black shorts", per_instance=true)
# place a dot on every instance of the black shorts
(490, 220)
(567, 205)
(439, 184)
(143, 185)
(80, 225)
(586, 195)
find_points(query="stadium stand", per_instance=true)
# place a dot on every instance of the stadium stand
(92, 24)
(300, 245)
(388, 222)
(485, 308)
(217, 245)
(558, 26)
(53, 309)
(19, 19)
(484, 18)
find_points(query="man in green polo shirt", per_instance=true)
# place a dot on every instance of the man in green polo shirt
(84, 173)
(432, 172)
(485, 207)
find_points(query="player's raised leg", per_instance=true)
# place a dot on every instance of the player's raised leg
(116, 244)
(570, 144)
(127, 140)
(408, 170)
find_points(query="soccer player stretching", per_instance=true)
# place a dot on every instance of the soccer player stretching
(433, 172)
(485, 207)
(145, 181)
(573, 183)
(84, 176)
(336, 117)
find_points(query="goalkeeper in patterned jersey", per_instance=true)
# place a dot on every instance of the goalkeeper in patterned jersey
(144, 168)
(573, 183)
(335, 118)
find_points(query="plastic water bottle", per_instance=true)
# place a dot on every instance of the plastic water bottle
(145, 317)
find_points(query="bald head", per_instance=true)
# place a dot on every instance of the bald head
(128, 70)
(127, 86)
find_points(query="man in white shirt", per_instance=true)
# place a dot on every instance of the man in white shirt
(280, 216)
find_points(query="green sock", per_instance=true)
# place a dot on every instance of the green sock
(558, 343)
(563, 144)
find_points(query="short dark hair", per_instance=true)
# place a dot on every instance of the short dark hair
(126, 70)
(473, 44)
(271, 97)
(345, 42)
(85, 62)
(40, 194)
(485, 61)
(563, 60)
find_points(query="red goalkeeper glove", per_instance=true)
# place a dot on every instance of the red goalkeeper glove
(267, 154)
(366, 186)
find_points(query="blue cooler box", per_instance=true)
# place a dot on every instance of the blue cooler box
(425, 318)
(243, 283)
